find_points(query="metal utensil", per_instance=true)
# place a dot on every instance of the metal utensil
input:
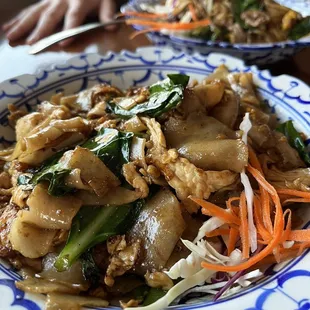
(66, 34)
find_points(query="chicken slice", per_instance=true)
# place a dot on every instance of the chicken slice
(182, 175)
(135, 179)
(123, 257)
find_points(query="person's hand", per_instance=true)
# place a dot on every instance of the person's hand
(41, 19)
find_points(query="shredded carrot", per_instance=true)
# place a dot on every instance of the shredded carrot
(302, 247)
(264, 195)
(171, 26)
(211, 209)
(218, 232)
(278, 229)
(302, 235)
(193, 12)
(143, 14)
(266, 209)
(270, 259)
(290, 200)
(288, 228)
(259, 222)
(137, 33)
(254, 160)
(232, 239)
(230, 201)
(244, 227)
(293, 192)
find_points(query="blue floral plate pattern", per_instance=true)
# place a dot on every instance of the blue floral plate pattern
(285, 286)
(259, 54)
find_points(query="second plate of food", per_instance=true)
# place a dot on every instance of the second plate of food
(259, 32)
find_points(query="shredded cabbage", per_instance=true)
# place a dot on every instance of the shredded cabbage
(244, 280)
(185, 267)
(245, 126)
(194, 280)
(208, 226)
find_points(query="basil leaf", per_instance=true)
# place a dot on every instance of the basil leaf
(164, 96)
(90, 270)
(295, 140)
(56, 176)
(240, 6)
(153, 295)
(301, 29)
(112, 147)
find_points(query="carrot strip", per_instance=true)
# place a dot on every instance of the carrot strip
(266, 210)
(254, 160)
(270, 259)
(137, 33)
(293, 192)
(211, 209)
(264, 242)
(230, 201)
(278, 229)
(302, 235)
(288, 228)
(232, 239)
(192, 10)
(258, 221)
(171, 26)
(265, 198)
(143, 14)
(218, 232)
(244, 227)
(302, 247)
(305, 200)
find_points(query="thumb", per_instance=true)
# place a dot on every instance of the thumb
(107, 12)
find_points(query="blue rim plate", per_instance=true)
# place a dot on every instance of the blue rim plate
(285, 285)
(260, 53)
(299, 5)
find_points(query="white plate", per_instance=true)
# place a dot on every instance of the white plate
(286, 287)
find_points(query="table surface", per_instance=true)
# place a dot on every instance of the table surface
(16, 60)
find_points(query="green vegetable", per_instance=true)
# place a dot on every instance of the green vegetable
(93, 225)
(240, 6)
(153, 295)
(207, 34)
(112, 147)
(164, 96)
(55, 175)
(301, 29)
(295, 140)
(140, 292)
(89, 268)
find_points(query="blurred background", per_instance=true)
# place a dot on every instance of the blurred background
(98, 42)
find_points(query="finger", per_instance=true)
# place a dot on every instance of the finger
(25, 23)
(6, 26)
(75, 16)
(48, 22)
(107, 11)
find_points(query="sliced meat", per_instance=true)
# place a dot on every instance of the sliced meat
(180, 174)
(135, 179)
(123, 257)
